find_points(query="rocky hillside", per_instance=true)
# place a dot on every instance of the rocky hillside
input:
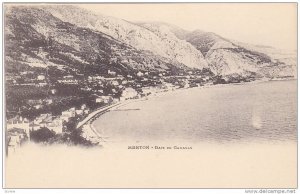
(228, 57)
(70, 37)
(158, 42)
(34, 37)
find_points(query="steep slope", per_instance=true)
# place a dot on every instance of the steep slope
(70, 37)
(160, 42)
(203, 41)
(36, 38)
(177, 31)
(227, 57)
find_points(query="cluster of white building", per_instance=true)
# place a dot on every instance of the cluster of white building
(18, 129)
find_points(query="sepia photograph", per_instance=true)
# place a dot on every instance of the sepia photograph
(150, 95)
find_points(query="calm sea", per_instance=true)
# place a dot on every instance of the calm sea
(255, 112)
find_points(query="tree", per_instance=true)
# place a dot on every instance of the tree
(41, 135)
(74, 134)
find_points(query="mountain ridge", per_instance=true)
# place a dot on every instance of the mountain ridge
(226, 57)
(83, 38)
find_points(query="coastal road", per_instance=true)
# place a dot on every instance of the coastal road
(103, 109)
(94, 113)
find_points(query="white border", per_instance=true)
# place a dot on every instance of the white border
(126, 191)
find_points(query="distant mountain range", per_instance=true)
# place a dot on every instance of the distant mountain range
(70, 37)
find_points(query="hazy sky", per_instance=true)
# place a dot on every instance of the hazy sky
(273, 24)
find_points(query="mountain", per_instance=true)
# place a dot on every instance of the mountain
(35, 37)
(228, 57)
(70, 37)
(160, 42)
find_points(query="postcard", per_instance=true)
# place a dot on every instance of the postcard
(150, 95)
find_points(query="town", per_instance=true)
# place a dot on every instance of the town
(45, 105)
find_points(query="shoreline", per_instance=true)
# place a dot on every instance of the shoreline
(87, 123)
(89, 131)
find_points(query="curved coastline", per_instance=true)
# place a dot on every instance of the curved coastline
(87, 123)
(89, 132)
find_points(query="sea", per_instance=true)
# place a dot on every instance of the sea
(241, 113)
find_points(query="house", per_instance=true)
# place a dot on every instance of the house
(72, 109)
(21, 135)
(129, 93)
(40, 50)
(42, 117)
(70, 112)
(99, 91)
(47, 120)
(41, 121)
(139, 74)
(38, 106)
(206, 78)
(48, 101)
(41, 84)
(115, 83)
(122, 98)
(83, 107)
(68, 77)
(94, 78)
(33, 126)
(25, 72)
(41, 77)
(56, 125)
(14, 143)
(67, 114)
(34, 102)
(15, 137)
(79, 112)
(65, 117)
(113, 73)
(53, 91)
(99, 100)
(86, 88)
(68, 81)
(115, 100)
(45, 123)
(20, 123)
(86, 111)
(104, 99)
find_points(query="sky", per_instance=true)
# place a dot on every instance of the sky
(270, 24)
